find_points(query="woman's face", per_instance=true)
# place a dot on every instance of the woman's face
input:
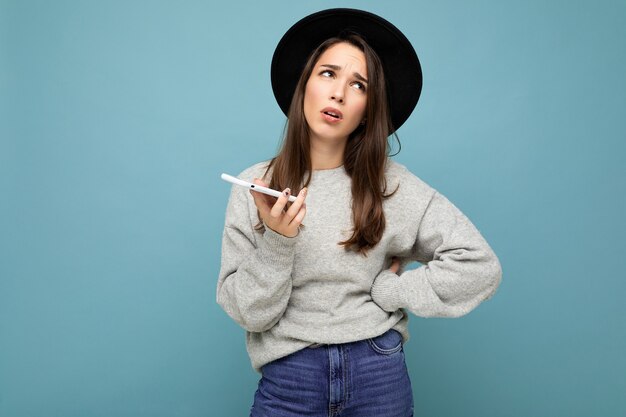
(335, 97)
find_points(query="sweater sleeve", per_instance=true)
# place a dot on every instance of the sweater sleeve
(459, 268)
(254, 283)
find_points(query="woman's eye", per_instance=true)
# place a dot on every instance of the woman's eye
(326, 73)
(359, 85)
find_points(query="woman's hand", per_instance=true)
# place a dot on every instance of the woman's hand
(273, 211)
(395, 265)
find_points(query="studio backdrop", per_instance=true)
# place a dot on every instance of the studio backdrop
(117, 119)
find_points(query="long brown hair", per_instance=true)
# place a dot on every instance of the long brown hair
(365, 154)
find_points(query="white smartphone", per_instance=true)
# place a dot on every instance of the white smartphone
(255, 187)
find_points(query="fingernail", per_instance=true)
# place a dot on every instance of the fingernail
(303, 192)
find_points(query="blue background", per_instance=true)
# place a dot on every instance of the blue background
(118, 117)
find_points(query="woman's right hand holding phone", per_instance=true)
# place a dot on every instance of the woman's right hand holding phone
(273, 212)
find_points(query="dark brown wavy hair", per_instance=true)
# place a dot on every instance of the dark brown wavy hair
(365, 154)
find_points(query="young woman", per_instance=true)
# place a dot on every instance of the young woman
(325, 305)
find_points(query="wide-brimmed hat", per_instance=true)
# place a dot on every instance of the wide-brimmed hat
(400, 63)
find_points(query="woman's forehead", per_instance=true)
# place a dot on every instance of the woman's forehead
(344, 54)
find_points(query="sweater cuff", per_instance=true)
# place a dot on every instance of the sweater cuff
(279, 249)
(387, 291)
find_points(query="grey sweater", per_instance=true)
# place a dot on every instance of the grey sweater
(289, 293)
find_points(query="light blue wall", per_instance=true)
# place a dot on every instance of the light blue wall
(117, 118)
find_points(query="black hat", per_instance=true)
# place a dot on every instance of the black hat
(400, 64)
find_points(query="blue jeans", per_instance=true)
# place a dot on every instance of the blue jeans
(358, 379)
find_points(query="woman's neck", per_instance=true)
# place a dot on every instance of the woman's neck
(327, 155)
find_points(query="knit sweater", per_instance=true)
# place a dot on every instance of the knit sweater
(292, 292)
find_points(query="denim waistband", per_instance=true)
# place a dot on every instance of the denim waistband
(364, 378)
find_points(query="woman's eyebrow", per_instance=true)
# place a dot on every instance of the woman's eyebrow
(338, 68)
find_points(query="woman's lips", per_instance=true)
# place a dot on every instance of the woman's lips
(331, 114)
(330, 118)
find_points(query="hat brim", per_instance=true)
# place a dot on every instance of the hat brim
(400, 63)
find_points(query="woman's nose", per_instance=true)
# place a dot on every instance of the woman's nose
(337, 95)
(337, 98)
